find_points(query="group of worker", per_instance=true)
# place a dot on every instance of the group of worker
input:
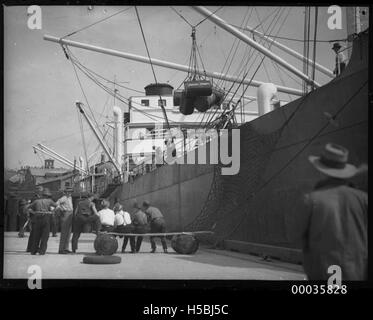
(145, 219)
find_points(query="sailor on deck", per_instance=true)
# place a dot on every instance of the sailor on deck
(157, 224)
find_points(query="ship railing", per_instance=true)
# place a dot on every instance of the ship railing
(148, 164)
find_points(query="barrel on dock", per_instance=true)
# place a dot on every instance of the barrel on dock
(185, 244)
(105, 244)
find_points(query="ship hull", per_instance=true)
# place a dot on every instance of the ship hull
(258, 205)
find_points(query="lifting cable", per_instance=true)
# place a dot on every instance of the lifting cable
(97, 22)
(274, 64)
(109, 90)
(235, 44)
(84, 94)
(294, 39)
(79, 115)
(102, 77)
(120, 97)
(278, 15)
(151, 64)
(234, 108)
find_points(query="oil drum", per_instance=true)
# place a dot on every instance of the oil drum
(105, 244)
(197, 88)
(186, 104)
(177, 97)
(202, 104)
(184, 244)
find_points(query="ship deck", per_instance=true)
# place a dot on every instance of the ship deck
(205, 264)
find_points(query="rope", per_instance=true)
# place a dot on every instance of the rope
(292, 39)
(181, 16)
(233, 110)
(151, 64)
(146, 45)
(97, 22)
(274, 64)
(110, 91)
(85, 97)
(203, 20)
(209, 119)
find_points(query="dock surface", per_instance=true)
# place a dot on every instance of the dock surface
(206, 263)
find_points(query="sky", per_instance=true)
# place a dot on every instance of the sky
(40, 86)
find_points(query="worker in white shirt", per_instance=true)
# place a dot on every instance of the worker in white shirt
(123, 224)
(65, 206)
(107, 217)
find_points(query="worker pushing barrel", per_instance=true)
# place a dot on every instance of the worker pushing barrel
(157, 224)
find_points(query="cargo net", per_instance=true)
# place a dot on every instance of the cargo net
(229, 199)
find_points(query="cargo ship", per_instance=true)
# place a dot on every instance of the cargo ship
(252, 210)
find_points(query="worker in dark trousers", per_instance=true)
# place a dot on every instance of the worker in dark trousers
(23, 217)
(85, 212)
(65, 205)
(140, 223)
(37, 195)
(157, 224)
(123, 224)
(41, 209)
(53, 224)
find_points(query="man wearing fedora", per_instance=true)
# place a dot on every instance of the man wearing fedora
(334, 224)
(65, 205)
(41, 210)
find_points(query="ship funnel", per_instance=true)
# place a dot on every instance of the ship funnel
(266, 92)
(118, 134)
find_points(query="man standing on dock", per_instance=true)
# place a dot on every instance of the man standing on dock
(41, 210)
(334, 224)
(65, 204)
(85, 212)
(157, 224)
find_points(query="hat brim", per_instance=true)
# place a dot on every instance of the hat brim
(348, 171)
